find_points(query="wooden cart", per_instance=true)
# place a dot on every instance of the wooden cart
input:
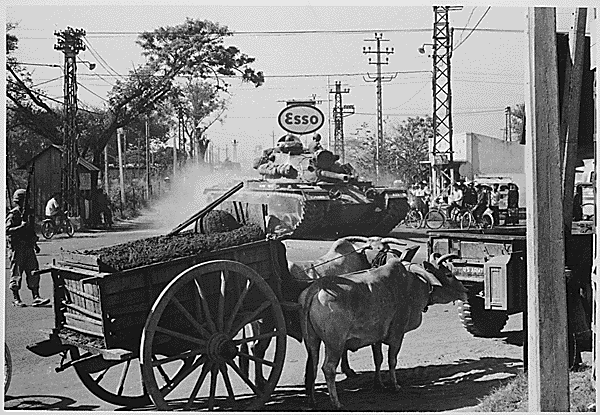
(154, 334)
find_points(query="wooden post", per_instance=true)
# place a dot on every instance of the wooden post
(147, 160)
(106, 177)
(596, 267)
(547, 305)
(120, 133)
(569, 123)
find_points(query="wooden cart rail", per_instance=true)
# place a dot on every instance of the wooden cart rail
(115, 305)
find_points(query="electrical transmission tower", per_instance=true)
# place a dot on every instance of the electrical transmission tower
(339, 112)
(379, 79)
(70, 43)
(442, 172)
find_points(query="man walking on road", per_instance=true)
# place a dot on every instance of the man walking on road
(22, 244)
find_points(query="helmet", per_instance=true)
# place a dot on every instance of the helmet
(19, 195)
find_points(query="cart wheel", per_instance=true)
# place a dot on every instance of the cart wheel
(7, 368)
(121, 382)
(195, 327)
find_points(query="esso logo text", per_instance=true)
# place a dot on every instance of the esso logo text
(301, 119)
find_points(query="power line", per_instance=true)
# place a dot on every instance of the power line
(99, 57)
(100, 35)
(475, 27)
(468, 20)
(47, 81)
(410, 99)
(91, 92)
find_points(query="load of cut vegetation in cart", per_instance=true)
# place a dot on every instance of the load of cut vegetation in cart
(164, 248)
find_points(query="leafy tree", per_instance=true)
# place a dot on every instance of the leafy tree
(202, 105)
(31, 122)
(517, 116)
(193, 49)
(406, 146)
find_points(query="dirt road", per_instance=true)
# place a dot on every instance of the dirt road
(441, 366)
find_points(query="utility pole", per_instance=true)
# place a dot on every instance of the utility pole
(106, 179)
(379, 79)
(120, 134)
(181, 133)
(148, 190)
(234, 151)
(508, 132)
(339, 112)
(70, 43)
(441, 157)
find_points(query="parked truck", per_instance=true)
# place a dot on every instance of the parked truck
(492, 265)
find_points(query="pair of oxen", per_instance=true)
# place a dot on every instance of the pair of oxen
(364, 292)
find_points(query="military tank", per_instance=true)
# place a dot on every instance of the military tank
(311, 195)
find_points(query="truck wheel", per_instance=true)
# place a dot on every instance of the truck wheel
(480, 322)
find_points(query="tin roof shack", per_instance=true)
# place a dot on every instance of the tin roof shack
(47, 180)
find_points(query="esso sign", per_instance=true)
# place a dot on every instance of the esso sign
(301, 119)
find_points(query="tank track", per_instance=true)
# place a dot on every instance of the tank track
(313, 216)
(392, 217)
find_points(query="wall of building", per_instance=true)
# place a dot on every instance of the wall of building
(484, 156)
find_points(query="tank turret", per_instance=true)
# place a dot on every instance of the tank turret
(306, 194)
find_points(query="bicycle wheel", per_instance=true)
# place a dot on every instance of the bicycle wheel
(487, 221)
(47, 230)
(414, 218)
(435, 219)
(466, 220)
(69, 228)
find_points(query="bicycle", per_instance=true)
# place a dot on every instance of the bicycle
(437, 218)
(414, 218)
(467, 220)
(49, 228)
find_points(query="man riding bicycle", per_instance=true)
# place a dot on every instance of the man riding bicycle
(53, 209)
(455, 199)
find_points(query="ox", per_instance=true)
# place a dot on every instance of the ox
(346, 255)
(370, 308)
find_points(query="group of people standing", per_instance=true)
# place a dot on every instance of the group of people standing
(468, 195)
(479, 197)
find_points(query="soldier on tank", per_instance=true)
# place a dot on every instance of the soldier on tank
(315, 144)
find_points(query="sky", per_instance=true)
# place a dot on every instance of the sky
(488, 67)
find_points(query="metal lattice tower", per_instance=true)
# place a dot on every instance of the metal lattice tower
(441, 150)
(70, 43)
(379, 79)
(338, 121)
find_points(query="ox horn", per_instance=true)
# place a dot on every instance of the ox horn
(362, 239)
(444, 258)
(434, 257)
(393, 241)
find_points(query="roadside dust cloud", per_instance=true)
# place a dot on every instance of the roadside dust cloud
(186, 195)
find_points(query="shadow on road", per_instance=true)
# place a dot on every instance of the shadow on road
(44, 403)
(514, 337)
(424, 388)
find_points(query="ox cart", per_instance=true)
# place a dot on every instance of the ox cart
(142, 335)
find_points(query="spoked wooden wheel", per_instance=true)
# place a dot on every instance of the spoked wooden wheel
(116, 382)
(195, 328)
(7, 368)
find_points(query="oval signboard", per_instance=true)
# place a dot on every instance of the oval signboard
(301, 119)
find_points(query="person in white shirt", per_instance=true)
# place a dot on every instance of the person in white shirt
(456, 198)
(53, 208)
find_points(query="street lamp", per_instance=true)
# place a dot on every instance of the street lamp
(91, 65)
(422, 48)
